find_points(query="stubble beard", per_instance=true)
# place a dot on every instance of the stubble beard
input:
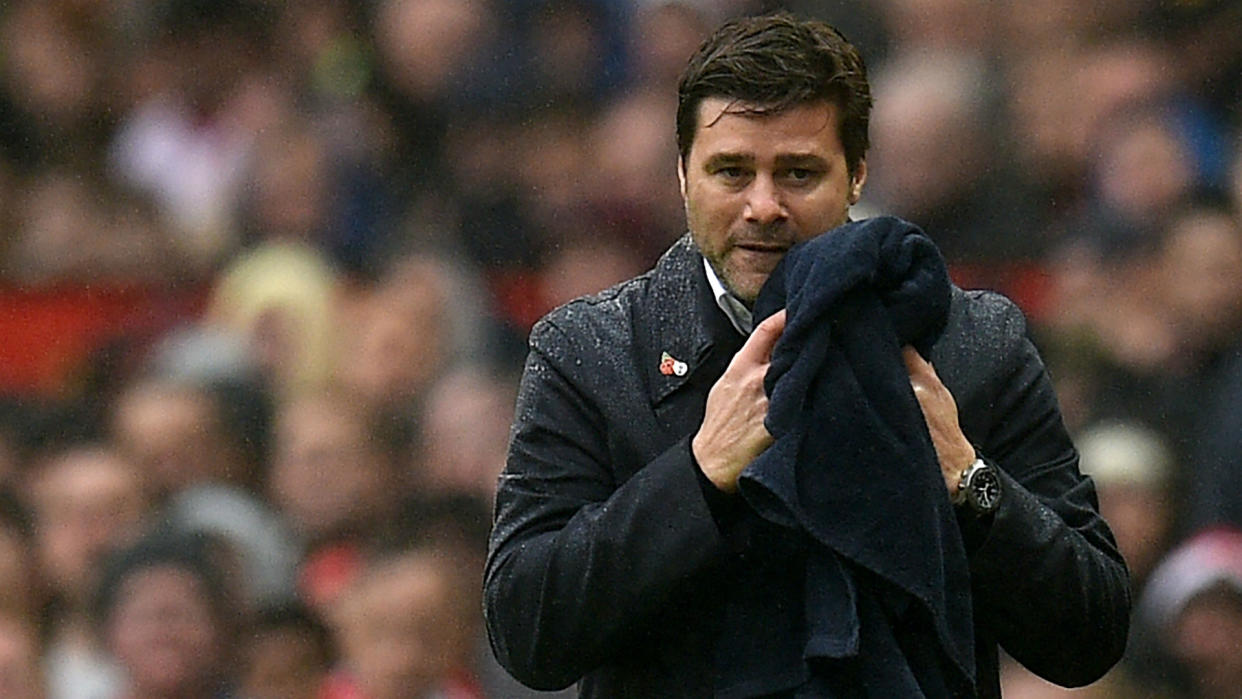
(777, 234)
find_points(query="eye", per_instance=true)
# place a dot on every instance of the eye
(731, 173)
(800, 175)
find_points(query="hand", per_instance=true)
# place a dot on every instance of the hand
(954, 451)
(732, 433)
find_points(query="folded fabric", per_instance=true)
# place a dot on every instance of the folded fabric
(854, 478)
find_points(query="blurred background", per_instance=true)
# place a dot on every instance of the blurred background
(267, 268)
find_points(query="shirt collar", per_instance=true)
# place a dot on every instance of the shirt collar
(736, 311)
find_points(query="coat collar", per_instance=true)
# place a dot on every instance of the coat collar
(682, 320)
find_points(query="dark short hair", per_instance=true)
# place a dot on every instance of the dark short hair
(189, 552)
(296, 616)
(775, 62)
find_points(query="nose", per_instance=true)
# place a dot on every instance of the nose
(763, 202)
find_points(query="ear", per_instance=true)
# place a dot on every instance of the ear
(681, 176)
(856, 182)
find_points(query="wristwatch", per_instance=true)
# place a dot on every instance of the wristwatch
(979, 487)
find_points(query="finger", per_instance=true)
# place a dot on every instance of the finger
(758, 347)
(915, 364)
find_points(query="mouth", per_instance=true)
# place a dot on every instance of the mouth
(763, 247)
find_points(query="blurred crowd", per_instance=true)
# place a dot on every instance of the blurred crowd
(267, 267)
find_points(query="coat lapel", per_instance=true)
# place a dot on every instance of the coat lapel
(683, 324)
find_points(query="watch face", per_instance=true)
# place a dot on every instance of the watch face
(985, 487)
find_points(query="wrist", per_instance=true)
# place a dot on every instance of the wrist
(979, 488)
(965, 456)
(710, 467)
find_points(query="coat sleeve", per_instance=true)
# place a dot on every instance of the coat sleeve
(1048, 581)
(576, 561)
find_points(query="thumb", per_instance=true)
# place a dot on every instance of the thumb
(916, 366)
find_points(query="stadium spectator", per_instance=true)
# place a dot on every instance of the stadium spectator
(286, 654)
(163, 609)
(86, 502)
(406, 628)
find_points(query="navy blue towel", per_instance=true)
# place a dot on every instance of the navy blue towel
(854, 476)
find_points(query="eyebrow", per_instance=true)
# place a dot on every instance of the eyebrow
(802, 160)
(791, 160)
(720, 160)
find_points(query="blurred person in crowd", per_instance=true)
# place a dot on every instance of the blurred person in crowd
(484, 218)
(321, 43)
(164, 612)
(464, 434)
(186, 140)
(635, 203)
(454, 521)
(73, 227)
(57, 223)
(1172, 332)
(940, 25)
(282, 298)
(199, 358)
(931, 158)
(1209, 66)
(331, 474)
(1143, 171)
(259, 544)
(334, 479)
(87, 501)
(1046, 132)
(1148, 330)
(583, 266)
(302, 187)
(400, 333)
(1193, 608)
(1059, 93)
(423, 44)
(554, 166)
(1208, 248)
(19, 588)
(1201, 261)
(290, 186)
(407, 626)
(1026, 26)
(623, 557)
(286, 653)
(1110, 329)
(175, 433)
(570, 45)
(458, 523)
(55, 108)
(1132, 469)
(323, 49)
(21, 665)
(664, 35)
(428, 58)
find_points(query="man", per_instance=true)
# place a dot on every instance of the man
(620, 541)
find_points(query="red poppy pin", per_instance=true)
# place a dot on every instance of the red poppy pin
(672, 367)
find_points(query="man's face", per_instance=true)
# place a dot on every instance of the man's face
(163, 630)
(87, 502)
(326, 475)
(755, 184)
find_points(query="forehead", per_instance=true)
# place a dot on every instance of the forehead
(730, 126)
(161, 581)
(86, 475)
